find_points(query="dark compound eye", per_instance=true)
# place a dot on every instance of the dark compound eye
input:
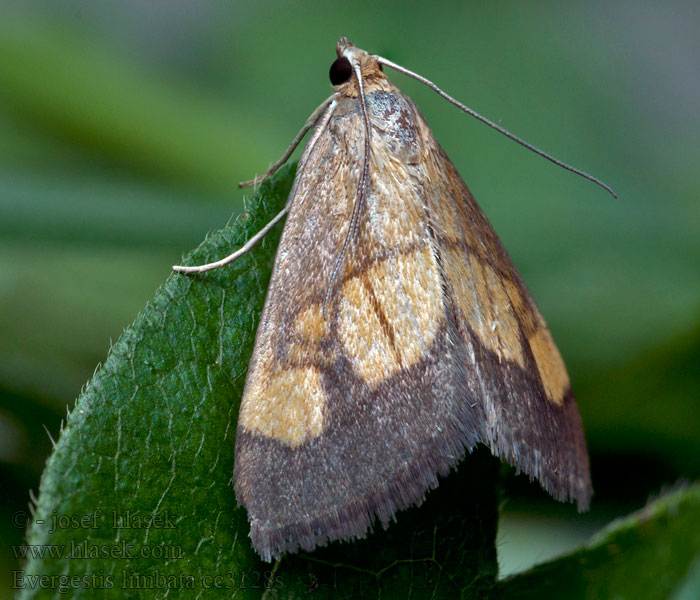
(341, 71)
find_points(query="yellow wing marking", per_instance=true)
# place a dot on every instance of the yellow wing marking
(484, 303)
(550, 365)
(389, 315)
(286, 405)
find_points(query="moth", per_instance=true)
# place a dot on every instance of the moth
(396, 334)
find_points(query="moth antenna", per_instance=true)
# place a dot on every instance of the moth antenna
(493, 125)
(310, 122)
(362, 192)
(240, 252)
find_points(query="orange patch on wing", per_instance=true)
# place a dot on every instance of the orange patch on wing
(310, 324)
(528, 315)
(484, 302)
(389, 315)
(286, 405)
(362, 335)
(550, 365)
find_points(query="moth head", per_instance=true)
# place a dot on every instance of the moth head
(352, 59)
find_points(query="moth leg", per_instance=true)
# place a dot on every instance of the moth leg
(310, 122)
(240, 252)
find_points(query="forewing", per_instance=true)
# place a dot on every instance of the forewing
(513, 368)
(429, 344)
(351, 417)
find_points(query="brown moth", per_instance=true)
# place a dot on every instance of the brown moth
(396, 333)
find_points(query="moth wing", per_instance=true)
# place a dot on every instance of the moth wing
(429, 344)
(350, 417)
(513, 368)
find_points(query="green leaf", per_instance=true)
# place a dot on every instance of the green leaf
(653, 553)
(153, 434)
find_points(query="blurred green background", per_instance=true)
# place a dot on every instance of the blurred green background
(125, 126)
